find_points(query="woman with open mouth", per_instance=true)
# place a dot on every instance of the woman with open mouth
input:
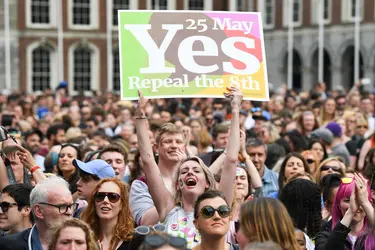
(192, 177)
(108, 214)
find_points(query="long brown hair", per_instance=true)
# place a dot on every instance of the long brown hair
(266, 219)
(125, 224)
(74, 222)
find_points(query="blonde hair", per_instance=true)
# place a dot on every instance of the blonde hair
(209, 177)
(336, 158)
(167, 128)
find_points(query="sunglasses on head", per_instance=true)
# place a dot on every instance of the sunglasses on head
(145, 230)
(208, 211)
(6, 205)
(326, 168)
(310, 161)
(157, 241)
(112, 197)
(346, 180)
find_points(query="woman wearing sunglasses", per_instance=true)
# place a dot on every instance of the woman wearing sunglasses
(212, 220)
(332, 165)
(108, 214)
(192, 179)
(312, 160)
(266, 219)
(351, 213)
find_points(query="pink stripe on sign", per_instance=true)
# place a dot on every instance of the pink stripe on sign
(240, 17)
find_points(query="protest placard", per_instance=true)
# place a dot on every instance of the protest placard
(169, 54)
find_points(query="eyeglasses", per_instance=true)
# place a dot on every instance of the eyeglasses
(326, 168)
(112, 197)
(310, 161)
(208, 211)
(364, 126)
(63, 208)
(6, 205)
(156, 241)
(346, 180)
(145, 230)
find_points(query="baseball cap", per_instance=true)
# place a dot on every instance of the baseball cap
(98, 167)
(335, 128)
(324, 134)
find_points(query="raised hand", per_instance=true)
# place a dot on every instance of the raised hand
(235, 95)
(26, 157)
(142, 103)
(361, 189)
(353, 205)
(242, 142)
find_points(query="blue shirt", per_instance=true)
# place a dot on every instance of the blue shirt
(270, 181)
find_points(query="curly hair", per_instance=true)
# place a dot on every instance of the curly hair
(77, 223)
(302, 199)
(125, 224)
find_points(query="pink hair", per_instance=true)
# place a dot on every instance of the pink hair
(345, 191)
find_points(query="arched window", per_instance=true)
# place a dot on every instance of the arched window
(82, 69)
(41, 68)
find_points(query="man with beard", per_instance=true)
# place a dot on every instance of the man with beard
(32, 144)
(52, 204)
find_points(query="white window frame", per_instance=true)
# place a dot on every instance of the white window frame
(232, 5)
(261, 9)
(171, 4)
(95, 61)
(346, 7)
(94, 17)
(286, 17)
(52, 16)
(314, 12)
(133, 5)
(29, 66)
(207, 5)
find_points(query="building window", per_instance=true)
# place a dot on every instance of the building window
(159, 4)
(116, 70)
(196, 5)
(327, 9)
(349, 10)
(82, 69)
(241, 5)
(118, 5)
(81, 12)
(41, 68)
(297, 7)
(40, 11)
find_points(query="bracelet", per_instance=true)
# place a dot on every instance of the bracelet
(140, 117)
(34, 169)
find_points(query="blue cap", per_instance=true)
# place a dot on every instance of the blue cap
(100, 168)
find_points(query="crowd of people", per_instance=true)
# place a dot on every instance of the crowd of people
(95, 172)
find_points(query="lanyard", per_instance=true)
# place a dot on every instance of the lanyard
(29, 240)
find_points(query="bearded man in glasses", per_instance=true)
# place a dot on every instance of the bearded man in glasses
(52, 204)
(15, 211)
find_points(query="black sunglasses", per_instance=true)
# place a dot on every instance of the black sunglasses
(112, 197)
(156, 241)
(326, 168)
(6, 205)
(310, 161)
(208, 211)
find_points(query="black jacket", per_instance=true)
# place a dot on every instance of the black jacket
(16, 241)
(337, 238)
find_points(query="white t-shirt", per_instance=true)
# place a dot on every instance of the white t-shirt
(352, 239)
(180, 224)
